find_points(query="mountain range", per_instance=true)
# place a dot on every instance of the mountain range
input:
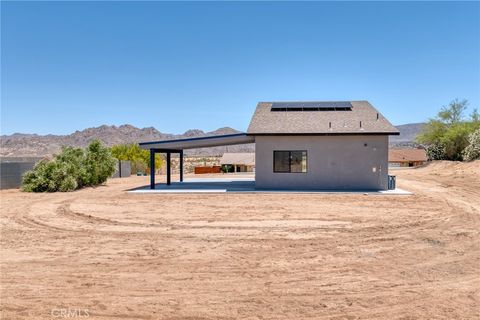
(408, 133)
(27, 145)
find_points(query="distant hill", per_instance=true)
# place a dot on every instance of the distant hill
(21, 145)
(33, 145)
(408, 133)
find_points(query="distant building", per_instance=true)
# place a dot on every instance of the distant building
(238, 162)
(406, 157)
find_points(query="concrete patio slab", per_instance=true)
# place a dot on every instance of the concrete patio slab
(243, 185)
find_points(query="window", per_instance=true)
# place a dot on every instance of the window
(290, 161)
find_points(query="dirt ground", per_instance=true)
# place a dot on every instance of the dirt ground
(104, 254)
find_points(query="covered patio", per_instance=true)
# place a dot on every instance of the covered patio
(179, 145)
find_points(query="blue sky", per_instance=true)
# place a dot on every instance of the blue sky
(67, 66)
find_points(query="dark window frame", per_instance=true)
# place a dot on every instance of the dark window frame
(290, 161)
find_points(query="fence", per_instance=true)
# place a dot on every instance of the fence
(203, 170)
(12, 170)
(123, 169)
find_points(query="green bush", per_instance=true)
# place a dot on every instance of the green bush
(72, 169)
(436, 151)
(472, 151)
(99, 163)
(139, 166)
(139, 158)
(446, 136)
(42, 177)
(226, 168)
(68, 184)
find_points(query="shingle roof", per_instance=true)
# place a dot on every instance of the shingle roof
(362, 119)
(247, 159)
(400, 155)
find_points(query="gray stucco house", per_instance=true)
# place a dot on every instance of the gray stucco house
(306, 146)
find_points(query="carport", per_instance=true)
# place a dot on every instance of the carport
(177, 146)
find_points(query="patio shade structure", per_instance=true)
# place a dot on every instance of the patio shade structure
(178, 145)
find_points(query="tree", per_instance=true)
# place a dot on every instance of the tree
(139, 158)
(475, 116)
(453, 113)
(446, 136)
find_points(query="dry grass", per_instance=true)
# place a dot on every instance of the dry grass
(255, 256)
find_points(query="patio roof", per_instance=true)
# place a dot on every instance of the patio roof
(199, 142)
(178, 145)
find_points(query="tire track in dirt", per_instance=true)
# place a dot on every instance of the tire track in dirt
(65, 211)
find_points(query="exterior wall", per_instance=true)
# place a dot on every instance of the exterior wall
(333, 162)
(397, 164)
(240, 167)
(243, 168)
(394, 164)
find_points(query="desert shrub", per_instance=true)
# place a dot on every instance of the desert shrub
(72, 169)
(99, 163)
(226, 168)
(42, 178)
(472, 151)
(139, 158)
(446, 136)
(435, 151)
(69, 183)
(139, 166)
(73, 161)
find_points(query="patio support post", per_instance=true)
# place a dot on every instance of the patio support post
(181, 165)
(168, 167)
(152, 168)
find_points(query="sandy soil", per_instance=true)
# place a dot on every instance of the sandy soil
(110, 255)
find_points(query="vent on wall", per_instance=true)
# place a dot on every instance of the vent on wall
(311, 106)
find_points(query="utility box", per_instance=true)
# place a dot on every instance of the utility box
(392, 182)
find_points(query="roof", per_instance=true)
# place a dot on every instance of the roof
(247, 159)
(401, 155)
(200, 142)
(319, 117)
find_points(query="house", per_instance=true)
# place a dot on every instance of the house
(238, 162)
(406, 157)
(305, 146)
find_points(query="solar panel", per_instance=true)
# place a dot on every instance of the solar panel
(312, 106)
